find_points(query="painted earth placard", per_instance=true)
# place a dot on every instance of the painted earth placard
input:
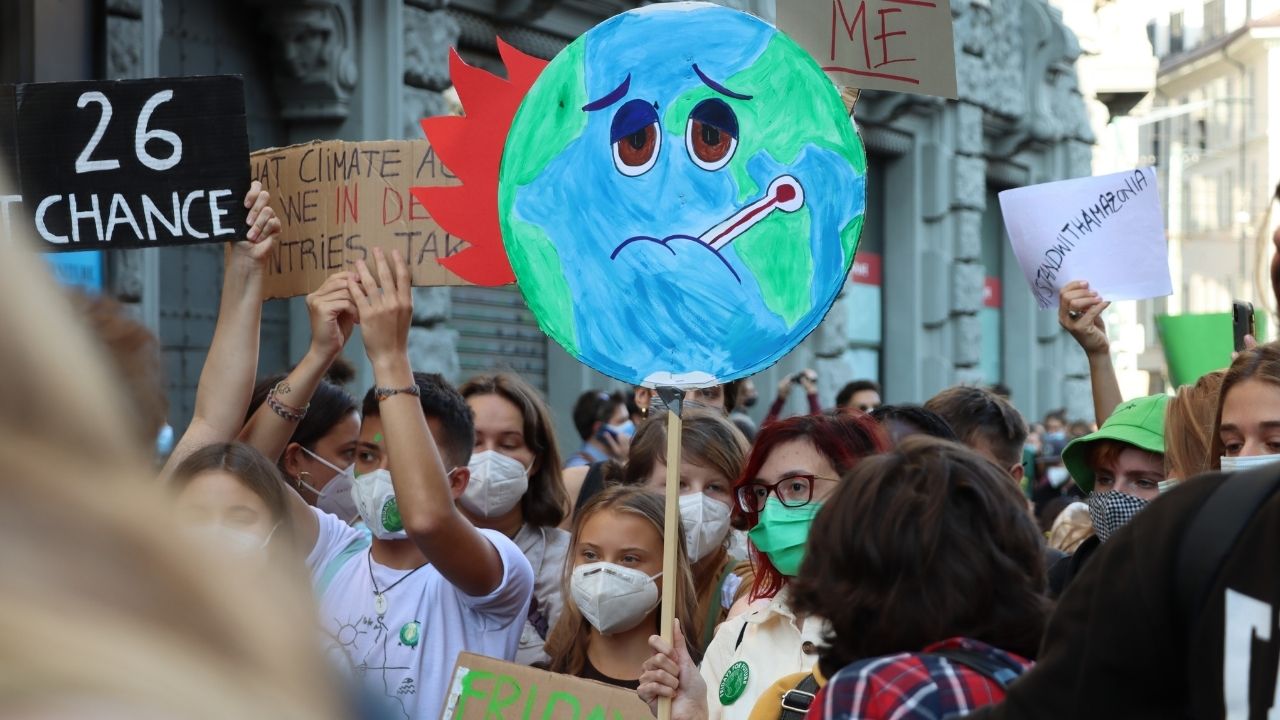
(681, 195)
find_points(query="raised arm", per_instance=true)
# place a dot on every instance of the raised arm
(270, 429)
(226, 382)
(1080, 314)
(425, 492)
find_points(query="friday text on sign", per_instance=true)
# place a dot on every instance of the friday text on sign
(121, 164)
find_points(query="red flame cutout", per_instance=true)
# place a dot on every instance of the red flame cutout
(471, 147)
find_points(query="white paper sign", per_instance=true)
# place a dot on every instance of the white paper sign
(1107, 230)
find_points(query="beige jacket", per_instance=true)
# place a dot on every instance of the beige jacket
(771, 646)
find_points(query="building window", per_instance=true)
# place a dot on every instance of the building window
(1175, 33)
(1215, 19)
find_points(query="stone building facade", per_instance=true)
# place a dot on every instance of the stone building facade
(936, 297)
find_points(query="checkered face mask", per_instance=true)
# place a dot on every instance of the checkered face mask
(1111, 511)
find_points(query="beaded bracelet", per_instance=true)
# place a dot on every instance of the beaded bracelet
(285, 411)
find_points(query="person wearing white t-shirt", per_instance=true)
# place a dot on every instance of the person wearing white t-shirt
(427, 585)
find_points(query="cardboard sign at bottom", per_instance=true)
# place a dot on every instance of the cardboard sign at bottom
(484, 688)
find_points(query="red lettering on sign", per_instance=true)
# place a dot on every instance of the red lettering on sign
(851, 26)
(347, 203)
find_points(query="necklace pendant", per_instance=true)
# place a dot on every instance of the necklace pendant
(380, 604)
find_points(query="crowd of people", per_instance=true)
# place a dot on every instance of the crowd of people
(315, 555)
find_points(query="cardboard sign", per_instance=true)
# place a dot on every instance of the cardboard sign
(487, 689)
(897, 45)
(1107, 230)
(680, 194)
(127, 163)
(338, 200)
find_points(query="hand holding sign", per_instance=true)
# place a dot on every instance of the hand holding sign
(1080, 313)
(385, 305)
(671, 673)
(333, 316)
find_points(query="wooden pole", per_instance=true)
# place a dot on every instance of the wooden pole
(673, 397)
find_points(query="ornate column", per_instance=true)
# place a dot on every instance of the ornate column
(314, 64)
(429, 32)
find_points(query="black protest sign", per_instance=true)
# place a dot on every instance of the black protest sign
(127, 163)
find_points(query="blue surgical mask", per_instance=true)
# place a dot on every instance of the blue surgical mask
(626, 429)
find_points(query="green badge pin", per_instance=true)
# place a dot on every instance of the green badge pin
(410, 633)
(734, 683)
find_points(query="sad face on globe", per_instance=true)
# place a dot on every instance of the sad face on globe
(681, 195)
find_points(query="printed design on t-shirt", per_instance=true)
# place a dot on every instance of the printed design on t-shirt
(369, 643)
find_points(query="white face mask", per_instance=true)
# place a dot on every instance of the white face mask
(1244, 462)
(375, 499)
(1057, 476)
(497, 484)
(613, 598)
(706, 523)
(335, 497)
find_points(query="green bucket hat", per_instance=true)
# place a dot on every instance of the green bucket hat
(1138, 422)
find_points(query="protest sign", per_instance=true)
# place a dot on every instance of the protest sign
(1106, 230)
(897, 45)
(126, 163)
(338, 200)
(484, 688)
(674, 214)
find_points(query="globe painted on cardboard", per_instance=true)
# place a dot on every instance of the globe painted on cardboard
(681, 195)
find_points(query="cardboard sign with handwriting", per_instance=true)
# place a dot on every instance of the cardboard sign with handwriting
(112, 164)
(484, 688)
(1107, 230)
(338, 200)
(898, 45)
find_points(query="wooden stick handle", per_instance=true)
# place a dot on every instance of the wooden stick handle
(671, 542)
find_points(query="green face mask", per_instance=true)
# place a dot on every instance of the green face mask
(782, 532)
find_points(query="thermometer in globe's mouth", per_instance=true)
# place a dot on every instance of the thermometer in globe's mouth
(784, 193)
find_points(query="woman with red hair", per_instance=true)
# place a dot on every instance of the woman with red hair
(794, 466)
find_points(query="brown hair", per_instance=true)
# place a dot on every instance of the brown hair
(923, 543)
(1188, 427)
(567, 642)
(546, 502)
(247, 465)
(977, 414)
(706, 438)
(1105, 453)
(135, 357)
(1259, 363)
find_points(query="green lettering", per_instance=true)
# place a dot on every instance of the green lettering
(597, 713)
(548, 712)
(469, 690)
(529, 702)
(499, 701)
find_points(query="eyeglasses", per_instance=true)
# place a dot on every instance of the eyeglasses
(793, 492)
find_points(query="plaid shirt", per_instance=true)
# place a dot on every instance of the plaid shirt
(912, 686)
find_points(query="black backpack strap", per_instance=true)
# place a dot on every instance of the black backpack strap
(796, 702)
(993, 670)
(1214, 531)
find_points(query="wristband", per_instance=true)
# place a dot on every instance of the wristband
(284, 410)
(382, 393)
